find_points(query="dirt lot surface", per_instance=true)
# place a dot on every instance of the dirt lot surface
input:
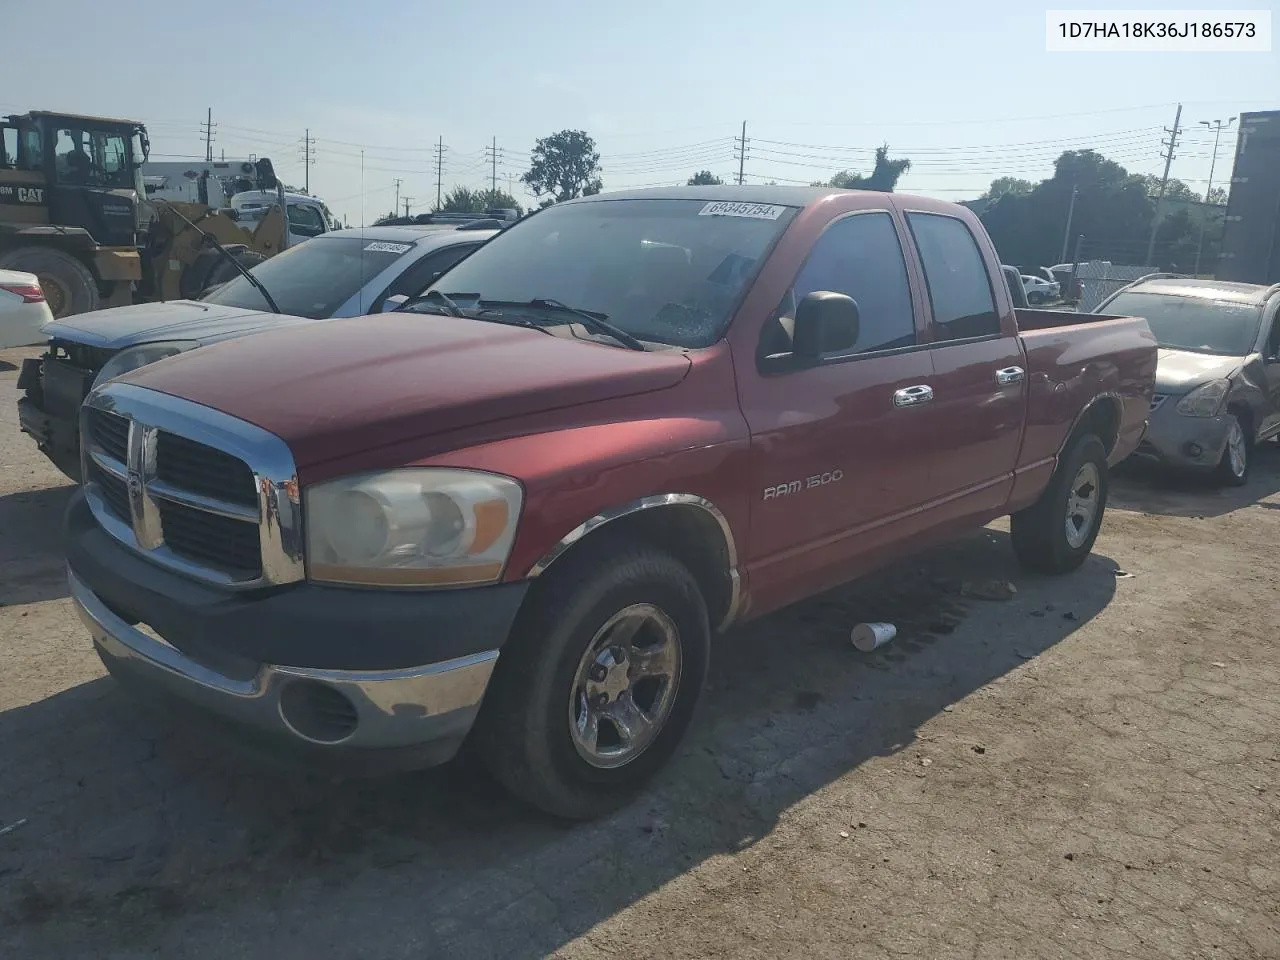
(1089, 769)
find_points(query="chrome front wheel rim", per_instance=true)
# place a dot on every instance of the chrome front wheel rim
(1083, 500)
(625, 686)
(1237, 453)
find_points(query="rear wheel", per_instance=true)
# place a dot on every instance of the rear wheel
(1233, 468)
(69, 286)
(598, 682)
(1056, 533)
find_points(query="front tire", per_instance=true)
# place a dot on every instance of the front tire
(598, 682)
(1233, 469)
(69, 286)
(1056, 533)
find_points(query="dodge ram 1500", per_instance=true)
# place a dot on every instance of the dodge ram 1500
(510, 516)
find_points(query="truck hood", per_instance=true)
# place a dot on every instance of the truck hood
(1181, 371)
(121, 327)
(350, 385)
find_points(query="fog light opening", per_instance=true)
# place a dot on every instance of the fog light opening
(1193, 449)
(317, 713)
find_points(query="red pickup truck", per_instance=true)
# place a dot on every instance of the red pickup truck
(513, 514)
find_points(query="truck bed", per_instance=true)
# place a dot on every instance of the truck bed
(1074, 359)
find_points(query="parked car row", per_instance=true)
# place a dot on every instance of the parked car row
(506, 513)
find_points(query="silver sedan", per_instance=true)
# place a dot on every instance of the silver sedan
(1218, 376)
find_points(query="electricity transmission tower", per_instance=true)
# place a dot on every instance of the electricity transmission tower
(206, 131)
(308, 145)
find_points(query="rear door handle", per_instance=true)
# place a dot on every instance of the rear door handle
(911, 396)
(1010, 375)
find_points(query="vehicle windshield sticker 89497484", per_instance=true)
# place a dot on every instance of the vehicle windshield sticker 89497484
(757, 211)
(383, 247)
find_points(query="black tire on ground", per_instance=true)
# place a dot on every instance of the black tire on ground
(223, 271)
(69, 286)
(1040, 532)
(524, 732)
(1229, 472)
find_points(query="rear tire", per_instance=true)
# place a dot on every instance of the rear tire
(69, 286)
(559, 678)
(1056, 533)
(1233, 468)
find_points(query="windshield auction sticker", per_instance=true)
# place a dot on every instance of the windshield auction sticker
(1158, 31)
(381, 247)
(756, 211)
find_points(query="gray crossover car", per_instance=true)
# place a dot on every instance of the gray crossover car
(1218, 376)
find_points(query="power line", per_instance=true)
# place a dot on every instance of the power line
(1172, 144)
(308, 158)
(207, 129)
(491, 154)
(440, 149)
(740, 152)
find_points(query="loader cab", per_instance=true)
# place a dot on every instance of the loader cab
(73, 172)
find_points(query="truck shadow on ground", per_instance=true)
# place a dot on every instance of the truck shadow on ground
(149, 838)
(32, 562)
(1145, 488)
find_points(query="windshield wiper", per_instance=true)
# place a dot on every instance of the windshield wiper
(234, 262)
(591, 321)
(444, 300)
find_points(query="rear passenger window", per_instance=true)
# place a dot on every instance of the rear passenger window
(956, 274)
(860, 256)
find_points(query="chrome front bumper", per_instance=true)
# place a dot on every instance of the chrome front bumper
(383, 709)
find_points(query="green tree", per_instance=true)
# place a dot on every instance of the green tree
(1176, 189)
(883, 178)
(1008, 187)
(1111, 209)
(563, 166)
(466, 200)
(705, 178)
(1218, 195)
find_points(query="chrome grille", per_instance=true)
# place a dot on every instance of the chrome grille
(192, 488)
(1157, 400)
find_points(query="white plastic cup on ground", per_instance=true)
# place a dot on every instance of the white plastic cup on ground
(870, 636)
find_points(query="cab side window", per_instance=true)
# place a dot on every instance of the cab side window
(414, 281)
(8, 147)
(956, 275)
(305, 220)
(861, 257)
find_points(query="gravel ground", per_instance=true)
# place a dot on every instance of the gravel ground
(1089, 769)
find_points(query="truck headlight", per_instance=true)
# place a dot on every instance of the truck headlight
(1204, 401)
(411, 527)
(131, 358)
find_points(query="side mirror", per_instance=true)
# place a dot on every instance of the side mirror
(826, 322)
(393, 302)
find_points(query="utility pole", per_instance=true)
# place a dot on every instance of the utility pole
(206, 130)
(396, 206)
(440, 149)
(1066, 236)
(1172, 144)
(493, 153)
(406, 205)
(308, 158)
(1216, 126)
(740, 150)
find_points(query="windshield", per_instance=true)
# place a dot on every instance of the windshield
(1221, 327)
(314, 278)
(664, 271)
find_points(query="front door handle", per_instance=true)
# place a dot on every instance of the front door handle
(1010, 375)
(910, 396)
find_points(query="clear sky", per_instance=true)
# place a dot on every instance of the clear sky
(966, 91)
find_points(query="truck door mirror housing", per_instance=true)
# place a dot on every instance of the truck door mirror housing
(826, 322)
(266, 175)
